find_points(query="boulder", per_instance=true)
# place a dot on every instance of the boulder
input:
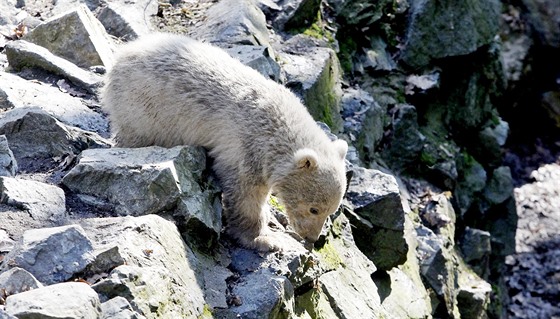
(76, 36)
(52, 255)
(499, 186)
(162, 276)
(470, 182)
(40, 142)
(6, 243)
(22, 54)
(41, 201)
(377, 215)
(258, 57)
(137, 181)
(234, 22)
(440, 29)
(17, 93)
(17, 280)
(313, 73)
(64, 300)
(406, 141)
(119, 308)
(294, 14)
(128, 20)
(476, 248)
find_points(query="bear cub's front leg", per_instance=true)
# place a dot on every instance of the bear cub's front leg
(247, 216)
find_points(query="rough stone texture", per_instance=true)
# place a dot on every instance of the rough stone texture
(277, 300)
(544, 16)
(64, 300)
(41, 142)
(41, 201)
(313, 73)
(290, 14)
(406, 141)
(162, 276)
(8, 163)
(378, 217)
(52, 255)
(500, 185)
(231, 22)
(471, 180)
(439, 29)
(137, 181)
(128, 20)
(476, 248)
(17, 93)
(22, 54)
(76, 36)
(473, 295)
(260, 58)
(119, 308)
(17, 280)
(6, 243)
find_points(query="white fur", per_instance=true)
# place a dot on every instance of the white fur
(170, 90)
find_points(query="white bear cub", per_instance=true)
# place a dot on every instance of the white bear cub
(171, 90)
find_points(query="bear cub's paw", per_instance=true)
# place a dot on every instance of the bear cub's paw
(272, 241)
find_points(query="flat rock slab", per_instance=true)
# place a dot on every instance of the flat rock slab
(22, 54)
(40, 142)
(136, 181)
(16, 93)
(52, 255)
(76, 36)
(65, 300)
(42, 201)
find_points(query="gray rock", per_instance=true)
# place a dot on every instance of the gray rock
(105, 261)
(137, 181)
(292, 14)
(500, 186)
(313, 73)
(471, 180)
(376, 212)
(41, 201)
(422, 83)
(162, 276)
(128, 20)
(232, 22)
(439, 29)
(22, 54)
(200, 218)
(63, 6)
(437, 266)
(260, 58)
(8, 163)
(17, 280)
(406, 141)
(544, 16)
(375, 58)
(64, 300)
(473, 295)
(8, 12)
(76, 36)
(514, 52)
(360, 12)
(18, 93)
(40, 142)
(476, 249)
(275, 301)
(119, 308)
(52, 255)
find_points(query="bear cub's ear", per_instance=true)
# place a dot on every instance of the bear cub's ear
(342, 147)
(306, 158)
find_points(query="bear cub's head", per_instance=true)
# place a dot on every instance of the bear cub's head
(312, 187)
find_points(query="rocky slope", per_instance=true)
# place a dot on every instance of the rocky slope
(88, 230)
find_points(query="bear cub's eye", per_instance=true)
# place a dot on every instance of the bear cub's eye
(314, 211)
